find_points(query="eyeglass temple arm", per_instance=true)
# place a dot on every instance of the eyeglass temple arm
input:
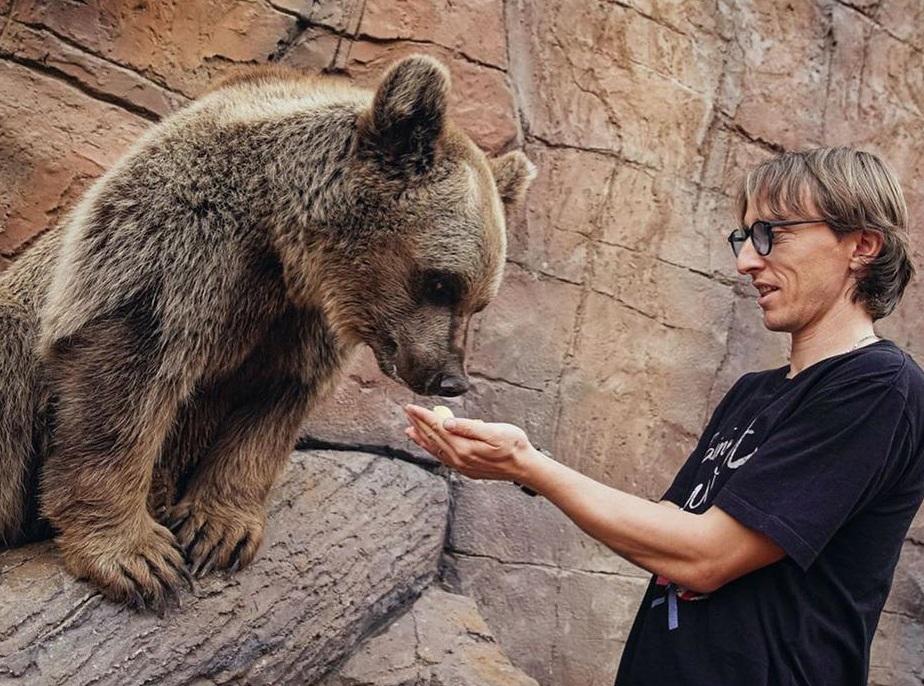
(794, 222)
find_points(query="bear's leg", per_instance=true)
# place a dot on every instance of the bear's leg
(114, 407)
(17, 410)
(198, 423)
(220, 519)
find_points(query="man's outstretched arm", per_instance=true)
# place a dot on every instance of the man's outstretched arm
(701, 552)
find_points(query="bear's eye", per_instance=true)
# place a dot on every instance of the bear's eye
(441, 288)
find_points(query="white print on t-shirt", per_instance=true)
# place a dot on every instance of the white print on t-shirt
(722, 451)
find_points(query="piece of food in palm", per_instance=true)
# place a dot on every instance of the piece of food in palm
(442, 412)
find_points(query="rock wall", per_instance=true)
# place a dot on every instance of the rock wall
(621, 321)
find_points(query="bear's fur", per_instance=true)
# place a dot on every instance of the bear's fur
(160, 350)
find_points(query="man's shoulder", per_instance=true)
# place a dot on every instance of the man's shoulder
(883, 363)
(907, 376)
(752, 385)
(750, 381)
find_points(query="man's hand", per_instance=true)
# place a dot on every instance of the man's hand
(477, 449)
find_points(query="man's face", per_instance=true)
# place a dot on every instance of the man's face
(804, 278)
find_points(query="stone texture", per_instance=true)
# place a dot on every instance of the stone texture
(624, 422)
(499, 521)
(47, 52)
(560, 626)
(55, 141)
(560, 602)
(553, 237)
(500, 332)
(441, 640)
(5, 6)
(896, 654)
(315, 50)
(179, 45)
(475, 28)
(602, 76)
(342, 16)
(760, 79)
(903, 19)
(350, 538)
(365, 409)
(674, 296)
(867, 102)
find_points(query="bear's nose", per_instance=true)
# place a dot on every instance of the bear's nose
(449, 385)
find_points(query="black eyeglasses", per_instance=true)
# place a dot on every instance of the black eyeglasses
(761, 234)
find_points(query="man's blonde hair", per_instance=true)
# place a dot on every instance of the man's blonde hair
(850, 190)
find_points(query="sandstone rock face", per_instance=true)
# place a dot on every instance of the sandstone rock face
(350, 537)
(621, 322)
(441, 640)
(555, 598)
(55, 141)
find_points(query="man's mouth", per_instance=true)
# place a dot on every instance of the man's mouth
(764, 291)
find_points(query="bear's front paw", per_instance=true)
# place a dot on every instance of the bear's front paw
(140, 565)
(216, 535)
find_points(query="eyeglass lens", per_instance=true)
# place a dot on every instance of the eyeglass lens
(759, 233)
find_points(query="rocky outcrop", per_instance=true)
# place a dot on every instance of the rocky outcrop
(352, 538)
(441, 641)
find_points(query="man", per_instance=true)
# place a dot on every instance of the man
(774, 548)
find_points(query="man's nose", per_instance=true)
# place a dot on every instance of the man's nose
(748, 260)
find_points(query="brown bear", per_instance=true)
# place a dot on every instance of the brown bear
(161, 349)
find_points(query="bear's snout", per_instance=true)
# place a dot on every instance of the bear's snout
(448, 385)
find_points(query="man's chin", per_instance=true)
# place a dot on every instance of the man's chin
(776, 324)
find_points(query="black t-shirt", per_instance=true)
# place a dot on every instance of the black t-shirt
(830, 466)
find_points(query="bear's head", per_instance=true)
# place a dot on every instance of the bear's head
(432, 206)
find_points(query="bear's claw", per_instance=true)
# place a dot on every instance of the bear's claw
(216, 536)
(144, 570)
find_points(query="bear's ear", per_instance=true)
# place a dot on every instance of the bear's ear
(513, 173)
(407, 115)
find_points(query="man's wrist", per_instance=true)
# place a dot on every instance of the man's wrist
(534, 463)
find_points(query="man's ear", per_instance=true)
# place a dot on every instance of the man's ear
(513, 173)
(867, 248)
(407, 116)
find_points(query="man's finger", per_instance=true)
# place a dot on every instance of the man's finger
(460, 452)
(426, 426)
(420, 439)
(416, 436)
(473, 429)
(438, 446)
(427, 422)
(423, 415)
(428, 445)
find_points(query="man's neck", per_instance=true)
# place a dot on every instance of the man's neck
(839, 332)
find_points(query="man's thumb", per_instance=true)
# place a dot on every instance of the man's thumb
(469, 428)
